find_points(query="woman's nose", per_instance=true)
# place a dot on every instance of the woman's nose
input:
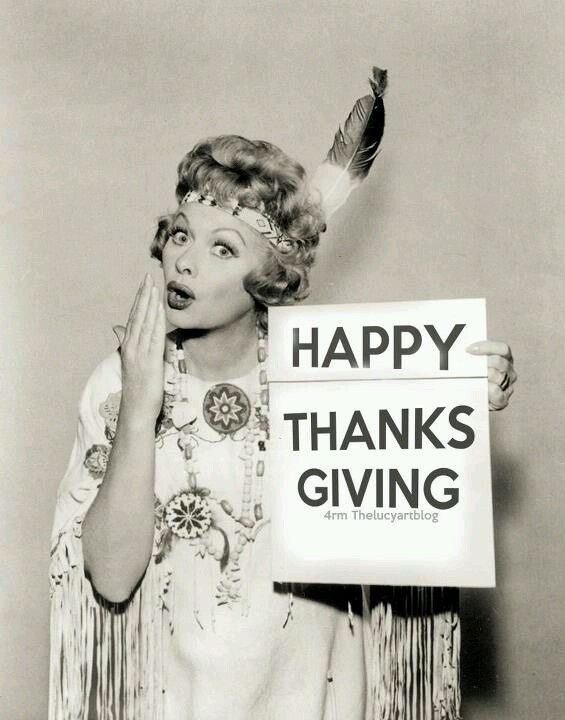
(186, 261)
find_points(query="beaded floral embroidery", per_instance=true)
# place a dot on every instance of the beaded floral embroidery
(96, 460)
(188, 515)
(96, 457)
(196, 515)
(226, 408)
(109, 410)
(210, 523)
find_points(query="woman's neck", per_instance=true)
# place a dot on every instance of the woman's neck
(224, 352)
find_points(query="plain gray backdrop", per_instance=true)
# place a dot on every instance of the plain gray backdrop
(100, 102)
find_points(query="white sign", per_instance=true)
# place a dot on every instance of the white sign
(379, 450)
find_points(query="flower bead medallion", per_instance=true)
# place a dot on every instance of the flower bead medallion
(226, 408)
(188, 515)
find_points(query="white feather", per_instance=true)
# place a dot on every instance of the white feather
(331, 187)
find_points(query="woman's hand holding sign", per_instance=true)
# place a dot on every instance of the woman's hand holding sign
(501, 373)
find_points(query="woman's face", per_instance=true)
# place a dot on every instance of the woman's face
(205, 259)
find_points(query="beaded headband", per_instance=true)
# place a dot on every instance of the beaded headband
(256, 220)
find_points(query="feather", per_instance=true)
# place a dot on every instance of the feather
(354, 149)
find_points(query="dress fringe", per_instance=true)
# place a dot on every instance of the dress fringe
(107, 659)
(412, 640)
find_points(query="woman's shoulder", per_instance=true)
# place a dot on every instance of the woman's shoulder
(105, 380)
(108, 370)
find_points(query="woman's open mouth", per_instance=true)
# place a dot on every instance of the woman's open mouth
(179, 296)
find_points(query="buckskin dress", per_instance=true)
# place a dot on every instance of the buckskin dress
(207, 634)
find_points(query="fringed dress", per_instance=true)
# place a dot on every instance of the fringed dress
(206, 634)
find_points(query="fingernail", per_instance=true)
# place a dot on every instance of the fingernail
(119, 332)
(474, 348)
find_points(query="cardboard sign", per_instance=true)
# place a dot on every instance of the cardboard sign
(379, 452)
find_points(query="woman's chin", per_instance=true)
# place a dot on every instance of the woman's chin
(172, 326)
(177, 321)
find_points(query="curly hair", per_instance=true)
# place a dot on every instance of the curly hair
(260, 176)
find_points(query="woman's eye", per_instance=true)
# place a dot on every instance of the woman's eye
(223, 251)
(179, 237)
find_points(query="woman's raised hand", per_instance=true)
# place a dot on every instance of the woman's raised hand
(501, 373)
(142, 351)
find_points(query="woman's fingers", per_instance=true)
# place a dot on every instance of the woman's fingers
(498, 398)
(496, 376)
(133, 308)
(498, 362)
(158, 335)
(500, 387)
(140, 310)
(502, 365)
(490, 347)
(146, 331)
(142, 353)
(501, 374)
(119, 332)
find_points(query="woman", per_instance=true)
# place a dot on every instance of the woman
(161, 577)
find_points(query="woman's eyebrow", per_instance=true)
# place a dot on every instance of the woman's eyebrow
(180, 214)
(233, 230)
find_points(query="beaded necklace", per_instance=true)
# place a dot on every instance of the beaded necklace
(189, 515)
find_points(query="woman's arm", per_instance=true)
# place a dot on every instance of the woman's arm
(117, 534)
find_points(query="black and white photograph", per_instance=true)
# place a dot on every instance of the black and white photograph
(271, 271)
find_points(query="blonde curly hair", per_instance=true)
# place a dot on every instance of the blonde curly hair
(260, 176)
